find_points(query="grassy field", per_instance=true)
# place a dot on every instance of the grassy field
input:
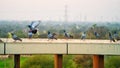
(9, 62)
(42, 60)
(69, 61)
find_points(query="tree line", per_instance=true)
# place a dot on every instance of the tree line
(75, 28)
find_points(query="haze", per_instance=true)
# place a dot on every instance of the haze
(77, 10)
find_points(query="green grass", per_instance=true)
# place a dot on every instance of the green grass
(6, 63)
(41, 61)
(9, 62)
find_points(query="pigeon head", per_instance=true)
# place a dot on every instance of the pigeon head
(29, 26)
(12, 34)
(115, 32)
(64, 31)
(48, 32)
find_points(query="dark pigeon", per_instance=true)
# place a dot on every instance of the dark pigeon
(51, 36)
(96, 35)
(111, 38)
(116, 36)
(67, 36)
(15, 37)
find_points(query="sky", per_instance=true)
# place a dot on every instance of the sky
(76, 10)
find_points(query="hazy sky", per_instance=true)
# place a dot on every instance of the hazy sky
(77, 10)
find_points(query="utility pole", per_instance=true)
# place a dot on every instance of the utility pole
(85, 18)
(66, 13)
(65, 16)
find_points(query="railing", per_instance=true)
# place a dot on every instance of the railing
(97, 48)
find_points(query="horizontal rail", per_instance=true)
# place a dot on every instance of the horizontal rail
(59, 47)
(100, 49)
(33, 48)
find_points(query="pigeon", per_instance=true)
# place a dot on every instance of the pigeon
(67, 35)
(111, 38)
(96, 35)
(83, 36)
(33, 26)
(116, 36)
(51, 36)
(15, 37)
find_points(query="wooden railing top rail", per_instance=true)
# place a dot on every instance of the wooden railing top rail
(60, 46)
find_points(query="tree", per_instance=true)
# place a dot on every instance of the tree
(83, 61)
(101, 30)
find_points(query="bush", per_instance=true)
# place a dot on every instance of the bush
(39, 61)
(83, 61)
(112, 62)
(68, 61)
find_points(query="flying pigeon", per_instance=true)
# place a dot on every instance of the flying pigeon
(33, 26)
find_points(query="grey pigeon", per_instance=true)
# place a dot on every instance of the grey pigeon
(15, 37)
(51, 36)
(116, 36)
(67, 35)
(83, 36)
(111, 38)
(97, 35)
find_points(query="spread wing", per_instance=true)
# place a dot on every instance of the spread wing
(35, 24)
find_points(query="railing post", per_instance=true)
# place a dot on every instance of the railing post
(16, 61)
(58, 61)
(98, 61)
